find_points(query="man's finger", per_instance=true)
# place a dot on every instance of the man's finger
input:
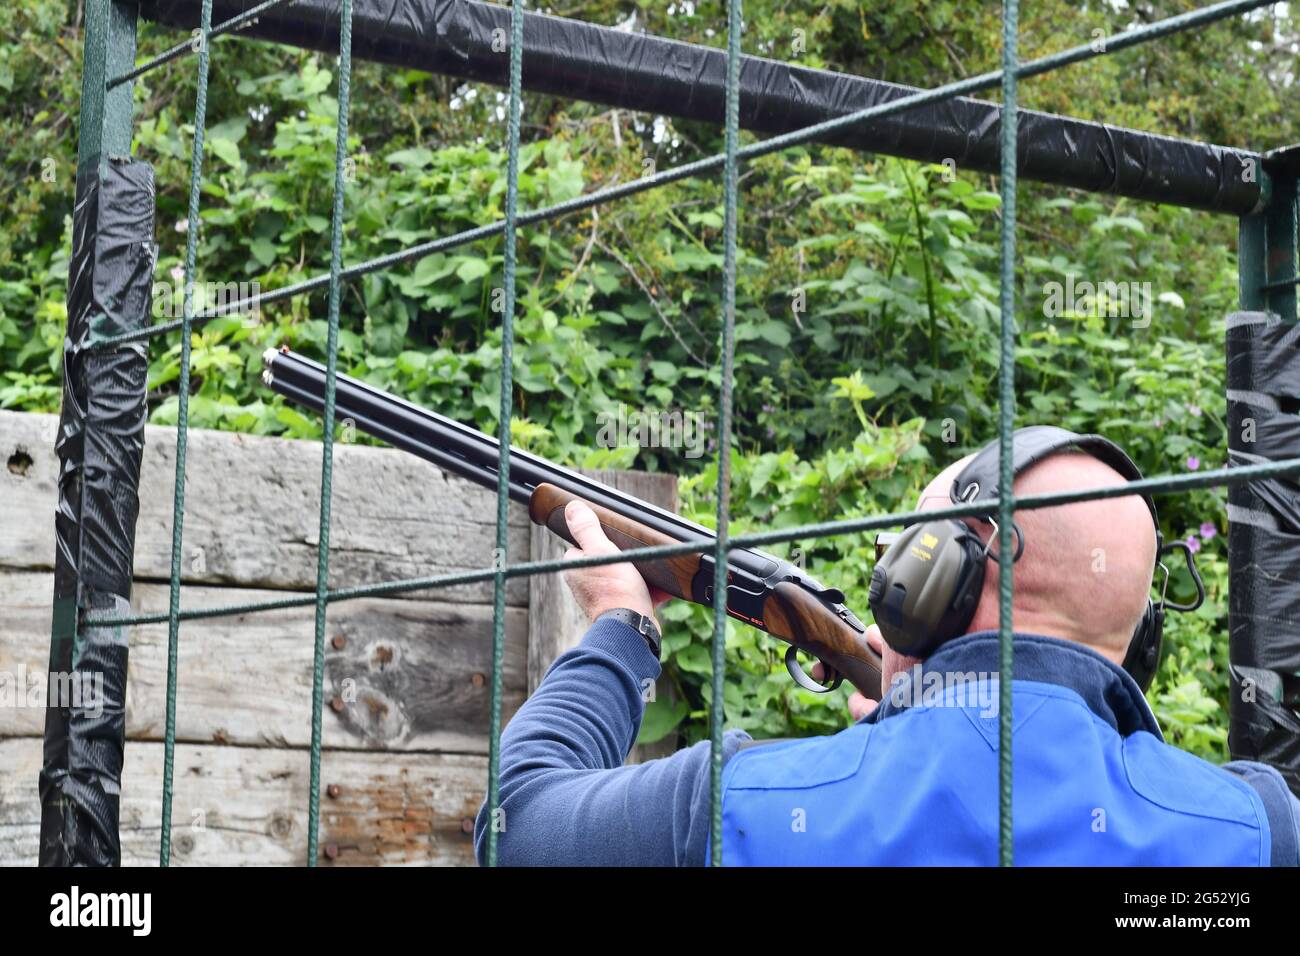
(860, 706)
(585, 528)
(875, 640)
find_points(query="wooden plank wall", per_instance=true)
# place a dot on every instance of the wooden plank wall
(406, 678)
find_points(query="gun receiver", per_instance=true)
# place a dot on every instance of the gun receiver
(762, 590)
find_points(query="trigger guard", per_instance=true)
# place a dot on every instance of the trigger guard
(801, 676)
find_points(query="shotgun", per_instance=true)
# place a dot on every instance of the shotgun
(764, 591)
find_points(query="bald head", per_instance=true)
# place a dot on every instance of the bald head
(1086, 570)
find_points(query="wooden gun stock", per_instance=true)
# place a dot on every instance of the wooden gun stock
(790, 612)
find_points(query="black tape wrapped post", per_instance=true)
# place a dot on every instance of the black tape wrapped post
(636, 71)
(1263, 392)
(1264, 543)
(100, 444)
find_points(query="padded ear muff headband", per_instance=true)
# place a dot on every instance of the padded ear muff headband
(925, 588)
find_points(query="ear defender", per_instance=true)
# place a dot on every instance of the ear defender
(1143, 657)
(925, 589)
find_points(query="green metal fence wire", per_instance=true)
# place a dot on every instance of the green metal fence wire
(1162, 484)
(327, 439)
(730, 212)
(182, 428)
(503, 433)
(1006, 420)
(1003, 507)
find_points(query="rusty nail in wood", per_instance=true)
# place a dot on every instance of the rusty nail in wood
(334, 790)
(478, 680)
(339, 642)
(337, 704)
(332, 851)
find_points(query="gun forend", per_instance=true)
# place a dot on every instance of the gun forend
(674, 575)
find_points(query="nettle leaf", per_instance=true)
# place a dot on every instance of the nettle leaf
(225, 150)
(263, 250)
(415, 158)
(232, 129)
(694, 659)
(472, 269)
(665, 371)
(981, 200)
(712, 220)
(661, 718)
(769, 331)
(564, 180)
(764, 468)
(430, 269)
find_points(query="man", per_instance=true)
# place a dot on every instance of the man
(914, 781)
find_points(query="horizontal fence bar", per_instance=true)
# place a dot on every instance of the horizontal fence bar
(710, 164)
(642, 72)
(1168, 484)
(188, 48)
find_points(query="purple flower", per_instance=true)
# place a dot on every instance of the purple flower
(771, 432)
(1193, 463)
(1195, 410)
(1208, 530)
(1194, 543)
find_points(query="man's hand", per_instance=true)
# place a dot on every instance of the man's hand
(607, 586)
(859, 704)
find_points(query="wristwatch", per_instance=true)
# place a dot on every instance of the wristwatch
(638, 622)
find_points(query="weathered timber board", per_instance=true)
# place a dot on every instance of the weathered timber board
(252, 513)
(419, 670)
(236, 806)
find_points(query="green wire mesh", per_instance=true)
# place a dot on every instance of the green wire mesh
(327, 439)
(182, 430)
(730, 211)
(728, 161)
(1006, 422)
(503, 434)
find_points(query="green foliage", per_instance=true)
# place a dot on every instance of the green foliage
(866, 291)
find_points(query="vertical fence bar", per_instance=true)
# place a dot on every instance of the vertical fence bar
(1006, 423)
(182, 427)
(717, 708)
(503, 422)
(100, 444)
(327, 439)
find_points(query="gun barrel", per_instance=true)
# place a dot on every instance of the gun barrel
(468, 452)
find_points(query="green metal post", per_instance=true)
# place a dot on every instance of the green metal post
(1267, 250)
(106, 115)
(81, 769)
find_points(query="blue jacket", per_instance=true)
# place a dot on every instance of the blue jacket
(913, 783)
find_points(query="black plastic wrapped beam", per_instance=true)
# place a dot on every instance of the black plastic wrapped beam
(1264, 543)
(100, 444)
(583, 61)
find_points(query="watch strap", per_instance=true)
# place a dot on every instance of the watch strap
(638, 622)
